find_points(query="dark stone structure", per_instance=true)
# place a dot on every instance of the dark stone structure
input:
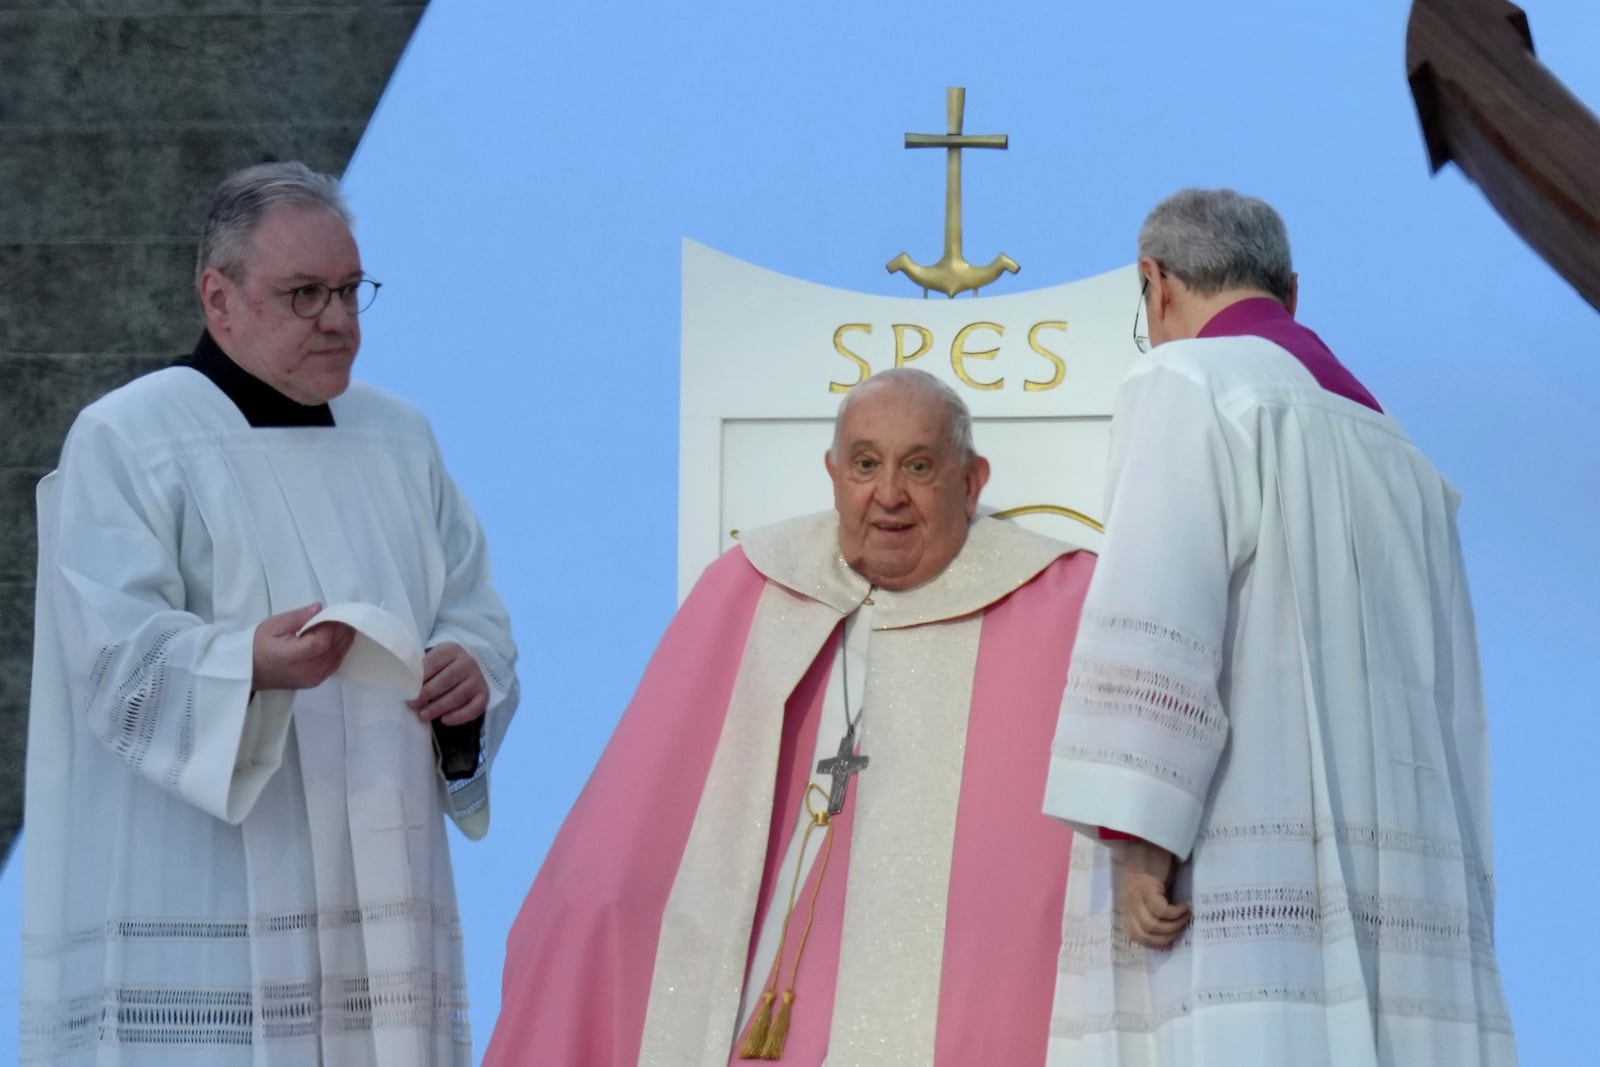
(116, 118)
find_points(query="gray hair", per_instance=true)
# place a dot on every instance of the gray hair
(958, 425)
(1215, 239)
(236, 207)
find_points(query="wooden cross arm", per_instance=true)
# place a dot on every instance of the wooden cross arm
(1487, 104)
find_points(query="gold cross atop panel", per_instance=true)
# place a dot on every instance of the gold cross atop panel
(952, 274)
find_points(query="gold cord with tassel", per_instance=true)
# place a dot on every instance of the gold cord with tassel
(772, 1049)
(757, 1037)
(770, 1030)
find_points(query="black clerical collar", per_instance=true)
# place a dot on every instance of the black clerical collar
(258, 402)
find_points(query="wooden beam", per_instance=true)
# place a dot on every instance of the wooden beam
(1488, 105)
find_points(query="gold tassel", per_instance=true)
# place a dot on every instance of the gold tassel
(751, 1049)
(773, 1050)
(770, 1031)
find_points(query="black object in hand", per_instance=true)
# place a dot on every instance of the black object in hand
(458, 748)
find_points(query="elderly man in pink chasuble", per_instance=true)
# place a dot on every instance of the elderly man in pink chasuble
(816, 834)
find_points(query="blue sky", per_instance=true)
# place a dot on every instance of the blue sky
(527, 180)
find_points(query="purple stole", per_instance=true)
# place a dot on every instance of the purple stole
(1267, 319)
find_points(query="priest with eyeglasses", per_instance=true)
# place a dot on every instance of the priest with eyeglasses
(816, 834)
(269, 662)
(1273, 732)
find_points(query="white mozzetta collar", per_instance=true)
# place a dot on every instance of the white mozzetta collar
(998, 558)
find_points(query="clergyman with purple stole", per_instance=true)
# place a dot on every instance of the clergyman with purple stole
(1273, 737)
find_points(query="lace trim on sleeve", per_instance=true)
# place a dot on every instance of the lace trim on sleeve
(128, 718)
(1152, 632)
(1169, 703)
(1142, 695)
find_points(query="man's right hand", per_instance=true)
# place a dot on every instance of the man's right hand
(1153, 920)
(284, 659)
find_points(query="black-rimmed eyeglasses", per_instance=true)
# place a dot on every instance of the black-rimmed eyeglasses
(1141, 341)
(309, 301)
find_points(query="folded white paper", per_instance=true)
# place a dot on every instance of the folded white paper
(385, 653)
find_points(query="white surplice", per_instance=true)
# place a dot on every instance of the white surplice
(1276, 677)
(218, 878)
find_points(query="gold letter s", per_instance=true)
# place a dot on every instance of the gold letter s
(838, 346)
(1028, 384)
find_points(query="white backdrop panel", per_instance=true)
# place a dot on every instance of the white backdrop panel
(766, 359)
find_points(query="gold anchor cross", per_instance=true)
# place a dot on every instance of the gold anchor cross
(952, 274)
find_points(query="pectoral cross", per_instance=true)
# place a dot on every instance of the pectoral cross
(841, 769)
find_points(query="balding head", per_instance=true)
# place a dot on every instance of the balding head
(958, 418)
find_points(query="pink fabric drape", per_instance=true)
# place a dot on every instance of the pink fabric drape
(582, 950)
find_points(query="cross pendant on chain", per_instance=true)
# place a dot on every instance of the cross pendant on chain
(841, 769)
